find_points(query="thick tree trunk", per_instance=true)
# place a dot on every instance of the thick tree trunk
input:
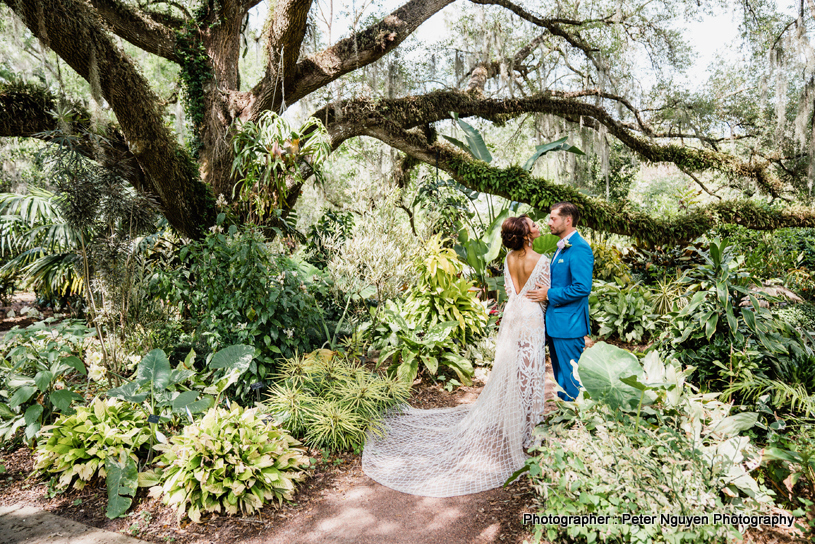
(68, 27)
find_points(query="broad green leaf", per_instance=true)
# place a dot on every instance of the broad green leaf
(154, 367)
(200, 405)
(122, 480)
(130, 391)
(32, 429)
(186, 398)
(21, 396)
(474, 140)
(43, 379)
(62, 399)
(235, 357)
(750, 319)
(33, 413)
(710, 325)
(545, 244)
(600, 369)
(458, 143)
(557, 145)
(439, 332)
(148, 479)
(492, 237)
(5, 411)
(189, 360)
(76, 363)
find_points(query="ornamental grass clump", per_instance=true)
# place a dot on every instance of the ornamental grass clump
(330, 402)
(231, 461)
(76, 447)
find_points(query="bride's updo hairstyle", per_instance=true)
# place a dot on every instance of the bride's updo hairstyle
(514, 231)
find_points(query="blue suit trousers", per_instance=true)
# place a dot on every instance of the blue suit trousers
(562, 351)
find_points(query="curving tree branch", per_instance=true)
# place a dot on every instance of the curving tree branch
(28, 111)
(144, 32)
(517, 184)
(349, 54)
(343, 119)
(69, 29)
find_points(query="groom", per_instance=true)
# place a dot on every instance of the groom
(567, 315)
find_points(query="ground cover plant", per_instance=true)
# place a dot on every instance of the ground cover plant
(42, 373)
(641, 439)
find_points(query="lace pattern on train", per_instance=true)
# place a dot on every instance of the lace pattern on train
(473, 447)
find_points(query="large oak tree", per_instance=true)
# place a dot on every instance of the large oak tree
(497, 85)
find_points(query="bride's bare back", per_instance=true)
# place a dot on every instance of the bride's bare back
(521, 264)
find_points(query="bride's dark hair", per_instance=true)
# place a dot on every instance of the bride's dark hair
(514, 231)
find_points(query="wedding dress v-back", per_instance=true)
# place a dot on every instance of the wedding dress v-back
(447, 452)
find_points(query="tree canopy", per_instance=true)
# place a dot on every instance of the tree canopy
(610, 68)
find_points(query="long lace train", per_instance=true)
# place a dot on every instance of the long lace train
(471, 448)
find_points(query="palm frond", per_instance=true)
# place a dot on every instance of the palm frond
(782, 395)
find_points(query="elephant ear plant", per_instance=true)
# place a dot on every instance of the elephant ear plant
(639, 439)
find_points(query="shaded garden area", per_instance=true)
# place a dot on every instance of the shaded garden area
(234, 236)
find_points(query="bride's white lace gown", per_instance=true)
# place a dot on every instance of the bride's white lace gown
(473, 447)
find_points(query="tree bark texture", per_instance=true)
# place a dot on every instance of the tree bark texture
(207, 46)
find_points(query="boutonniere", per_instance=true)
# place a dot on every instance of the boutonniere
(566, 245)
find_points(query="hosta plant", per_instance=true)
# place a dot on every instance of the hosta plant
(230, 461)
(331, 402)
(76, 447)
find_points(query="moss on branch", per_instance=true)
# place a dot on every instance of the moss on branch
(515, 183)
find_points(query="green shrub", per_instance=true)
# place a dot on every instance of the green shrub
(799, 316)
(75, 447)
(330, 402)
(332, 224)
(410, 345)
(643, 443)
(231, 461)
(441, 295)
(652, 264)
(745, 350)
(234, 291)
(38, 366)
(622, 312)
(609, 265)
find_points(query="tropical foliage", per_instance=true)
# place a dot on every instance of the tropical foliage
(231, 461)
(42, 369)
(640, 439)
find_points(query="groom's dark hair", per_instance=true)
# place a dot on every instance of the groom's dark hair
(567, 208)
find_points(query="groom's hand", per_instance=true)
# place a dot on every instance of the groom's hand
(541, 294)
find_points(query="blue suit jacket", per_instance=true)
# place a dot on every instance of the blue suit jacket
(567, 315)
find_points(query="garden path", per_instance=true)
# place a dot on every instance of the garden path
(31, 525)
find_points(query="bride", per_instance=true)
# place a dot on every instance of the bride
(474, 447)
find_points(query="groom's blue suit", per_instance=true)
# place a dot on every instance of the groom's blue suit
(567, 315)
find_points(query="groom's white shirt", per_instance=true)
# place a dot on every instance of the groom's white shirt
(558, 249)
